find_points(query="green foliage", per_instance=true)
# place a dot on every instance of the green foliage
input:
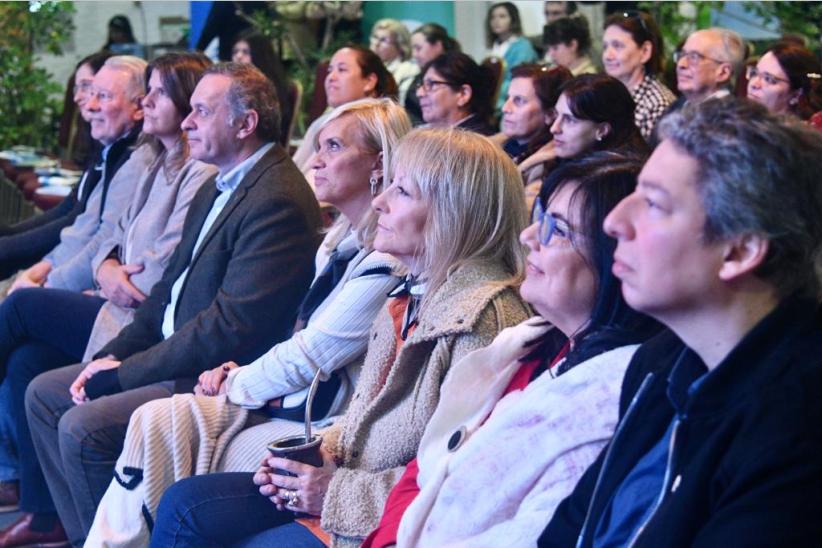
(794, 17)
(31, 102)
(675, 23)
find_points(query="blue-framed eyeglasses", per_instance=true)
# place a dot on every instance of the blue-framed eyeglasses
(549, 225)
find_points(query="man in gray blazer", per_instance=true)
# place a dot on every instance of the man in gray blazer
(230, 292)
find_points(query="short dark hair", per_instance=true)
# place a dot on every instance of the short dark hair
(370, 63)
(566, 29)
(758, 174)
(458, 69)
(513, 13)
(546, 81)
(603, 179)
(250, 89)
(643, 28)
(95, 60)
(602, 98)
(804, 71)
(433, 33)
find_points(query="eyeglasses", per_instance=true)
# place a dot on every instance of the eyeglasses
(767, 77)
(634, 14)
(693, 57)
(430, 85)
(549, 225)
(381, 40)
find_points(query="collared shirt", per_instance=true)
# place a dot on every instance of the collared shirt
(226, 184)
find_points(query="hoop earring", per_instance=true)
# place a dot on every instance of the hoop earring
(373, 182)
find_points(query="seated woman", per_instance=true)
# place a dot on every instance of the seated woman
(568, 42)
(354, 147)
(252, 48)
(503, 37)
(787, 80)
(354, 72)
(455, 93)
(593, 112)
(526, 116)
(427, 43)
(521, 419)
(458, 296)
(45, 328)
(633, 53)
(391, 41)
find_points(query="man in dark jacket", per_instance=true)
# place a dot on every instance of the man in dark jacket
(720, 435)
(230, 292)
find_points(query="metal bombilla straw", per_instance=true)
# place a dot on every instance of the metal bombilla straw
(312, 391)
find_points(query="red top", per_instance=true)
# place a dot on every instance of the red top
(406, 490)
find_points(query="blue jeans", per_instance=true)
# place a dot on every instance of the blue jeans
(8, 445)
(224, 510)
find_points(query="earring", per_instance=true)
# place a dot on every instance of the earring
(373, 182)
(598, 137)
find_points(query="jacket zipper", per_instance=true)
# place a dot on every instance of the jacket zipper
(665, 481)
(607, 460)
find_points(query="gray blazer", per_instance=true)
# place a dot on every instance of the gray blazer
(243, 285)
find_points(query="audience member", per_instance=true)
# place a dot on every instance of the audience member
(787, 79)
(80, 146)
(455, 93)
(568, 42)
(391, 41)
(119, 34)
(355, 147)
(503, 37)
(718, 438)
(539, 382)
(43, 329)
(633, 53)
(354, 72)
(427, 43)
(555, 10)
(112, 106)
(230, 291)
(253, 48)
(458, 296)
(527, 115)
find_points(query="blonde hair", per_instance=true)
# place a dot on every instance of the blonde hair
(399, 33)
(381, 123)
(477, 203)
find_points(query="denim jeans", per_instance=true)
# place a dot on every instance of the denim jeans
(8, 446)
(224, 510)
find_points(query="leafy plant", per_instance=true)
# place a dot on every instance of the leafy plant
(803, 18)
(31, 102)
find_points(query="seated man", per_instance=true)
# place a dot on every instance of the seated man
(114, 111)
(719, 437)
(230, 292)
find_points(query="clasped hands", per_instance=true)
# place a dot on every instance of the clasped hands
(303, 493)
(211, 382)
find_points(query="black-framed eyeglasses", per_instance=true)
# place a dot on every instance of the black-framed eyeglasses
(635, 14)
(693, 57)
(430, 85)
(549, 225)
(753, 72)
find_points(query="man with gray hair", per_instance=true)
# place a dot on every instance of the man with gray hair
(720, 423)
(230, 292)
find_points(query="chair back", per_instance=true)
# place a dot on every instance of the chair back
(295, 96)
(319, 101)
(496, 68)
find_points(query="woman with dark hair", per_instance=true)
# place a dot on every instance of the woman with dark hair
(519, 421)
(787, 79)
(62, 326)
(78, 138)
(427, 43)
(527, 114)
(633, 53)
(568, 41)
(253, 48)
(503, 36)
(455, 93)
(354, 72)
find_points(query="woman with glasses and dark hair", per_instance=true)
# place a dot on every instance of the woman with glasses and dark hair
(427, 43)
(787, 79)
(504, 39)
(568, 41)
(519, 421)
(633, 53)
(455, 93)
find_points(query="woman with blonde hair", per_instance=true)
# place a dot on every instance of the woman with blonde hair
(171, 438)
(459, 293)
(391, 41)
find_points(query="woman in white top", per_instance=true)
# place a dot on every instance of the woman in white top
(391, 41)
(172, 438)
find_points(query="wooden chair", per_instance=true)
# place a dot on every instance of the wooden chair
(496, 68)
(295, 95)
(319, 101)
